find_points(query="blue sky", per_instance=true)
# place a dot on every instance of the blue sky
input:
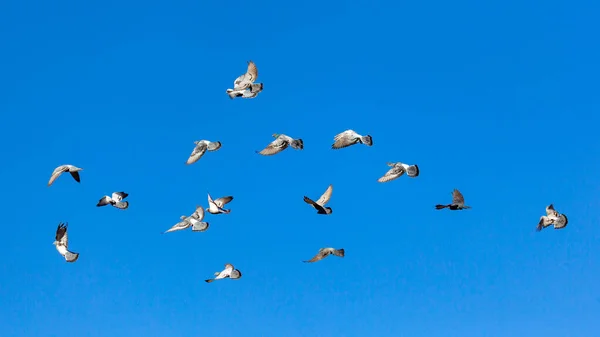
(498, 99)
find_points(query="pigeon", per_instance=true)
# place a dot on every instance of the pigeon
(324, 252)
(74, 170)
(350, 137)
(320, 204)
(397, 170)
(458, 202)
(228, 272)
(281, 143)
(244, 85)
(61, 243)
(216, 206)
(194, 221)
(552, 217)
(115, 200)
(200, 149)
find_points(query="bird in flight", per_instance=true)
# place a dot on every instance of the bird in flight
(320, 204)
(397, 170)
(115, 200)
(281, 143)
(350, 137)
(200, 149)
(244, 85)
(74, 170)
(194, 221)
(216, 206)
(458, 202)
(228, 272)
(552, 217)
(61, 242)
(324, 252)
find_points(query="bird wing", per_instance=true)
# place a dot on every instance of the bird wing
(198, 213)
(197, 153)
(104, 201)
(326, 196)
(311, 202)
(275, 147)
(251, 72)
(183, 224)
(75, 175)
(61, 234)
(344, 139)
(118, 196)
(457, 198)
(393, 173)
(223, 201)
(244, 81)
(57, 172)
(320, 256)
(551, 212)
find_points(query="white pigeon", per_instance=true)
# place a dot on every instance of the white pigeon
(228, 272)
(74, 170)
(194, 221)
(244, 85)
(350, 137)
(200, 149)
(115, 200)
(397, 170)
(216, 206)
(552, 217)
(61, 243)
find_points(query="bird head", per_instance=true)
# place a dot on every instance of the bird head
(276, 135)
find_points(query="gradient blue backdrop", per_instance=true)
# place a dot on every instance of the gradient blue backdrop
(498, 99)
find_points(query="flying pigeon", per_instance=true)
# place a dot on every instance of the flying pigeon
(350, 137)
(281, 143)
(244, 85)
(61, 243)
(458, 202)
(194, 221)
(74, 170)
(324, 252)
(115, 200)
(320, 204)
(200, 149)
(552, 217)
(228, 272)
(397, 170)
(216, 206)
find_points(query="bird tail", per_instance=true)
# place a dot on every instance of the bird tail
(340, 252)
(441, 206)
(298, 144)
(71, 257)
(121, 204)
(367, 140)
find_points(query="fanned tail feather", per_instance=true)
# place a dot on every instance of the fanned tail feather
(367, 140)
(71, 257)
(122, 204)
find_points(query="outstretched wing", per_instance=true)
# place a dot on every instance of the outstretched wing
(75, 175)
(57, 172)
(183, 224)
(274, 147)
(198, 213)
(252, 72)
(244, 81)
(326, 196)
(61, 234)
(320, 256)
(457, 198)
(197, 153)
(551, 212)
(223, 201)
(104, 201)
(393, 173)
(344, 139)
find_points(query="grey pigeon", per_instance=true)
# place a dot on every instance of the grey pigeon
(74, 170)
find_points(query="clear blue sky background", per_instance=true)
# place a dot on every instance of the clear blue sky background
(498, 99)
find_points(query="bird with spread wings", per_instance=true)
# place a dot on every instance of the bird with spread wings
(320, 204)
(61, 242)
(116, 200)
(281, 143)
(458, 202)
(73, 170)
(228, 272)
(552, 217)
(216, 206)
(397, 170)
(200, 149)
(244, 85)
(324, 252)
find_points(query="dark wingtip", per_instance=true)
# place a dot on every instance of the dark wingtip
(417, 168)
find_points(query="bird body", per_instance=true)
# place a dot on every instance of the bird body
(320, 204)
(244, 85)
(115, 200)
(552, 217)
(200, 149)
(281, 143)
(72, 169)
(61, 242)
(216, 206)
(349, 138)
(458, 202)
(228, 272)
(397, 170)
(324, 252)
